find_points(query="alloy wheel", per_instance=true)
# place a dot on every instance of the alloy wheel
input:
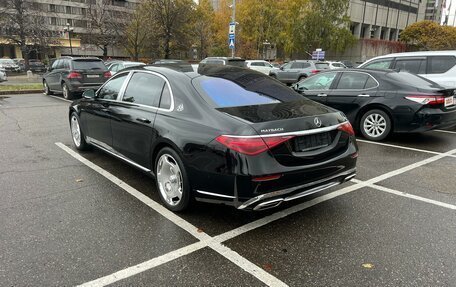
(169, 179)
(375, 125)
(75, 131)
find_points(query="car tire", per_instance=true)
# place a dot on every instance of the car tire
(67, 94)
(77, 135)
(171, 179)
(375, 125)
(301, 78)
(47, 91)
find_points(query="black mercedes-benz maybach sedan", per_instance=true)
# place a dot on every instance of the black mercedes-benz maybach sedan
(223, 135)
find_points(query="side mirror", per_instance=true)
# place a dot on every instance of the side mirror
(281, 68)
(49, 69)
(89, 94)
(295, 87)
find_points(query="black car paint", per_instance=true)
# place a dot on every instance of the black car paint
(389, 96)
(192, 126)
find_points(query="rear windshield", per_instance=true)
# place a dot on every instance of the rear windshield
(322, 66)
(246, 90)
(236, 63)
(88, 65)
(412, 80)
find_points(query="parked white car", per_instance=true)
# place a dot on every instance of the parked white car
(3, 75)
(259, 65)
(437, 66)
(114, 67)
(336, 65)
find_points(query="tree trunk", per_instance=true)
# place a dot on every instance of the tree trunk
(105, 52)
(25, 55)
(167, 48)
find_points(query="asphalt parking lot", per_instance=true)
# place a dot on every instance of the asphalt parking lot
(70, 218)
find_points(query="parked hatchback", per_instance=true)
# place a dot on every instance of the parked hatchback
(437, 66)
(378, 102)
(71, 76)
(297, 70)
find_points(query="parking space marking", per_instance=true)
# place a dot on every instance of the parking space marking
(144, 266)
(215, 243)
(408, 195)
(204, 238)
(443, 131)
(404, 147)
(58, 98)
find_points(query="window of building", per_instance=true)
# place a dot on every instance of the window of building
(51, 8)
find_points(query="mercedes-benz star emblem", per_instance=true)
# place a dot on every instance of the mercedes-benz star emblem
(317, 122)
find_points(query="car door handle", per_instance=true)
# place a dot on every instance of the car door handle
(322, 95)
(364, 95)
(143, 120)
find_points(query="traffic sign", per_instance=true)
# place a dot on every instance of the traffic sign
(318, 55)
(231, 44)
(231, 36)
(232, 29)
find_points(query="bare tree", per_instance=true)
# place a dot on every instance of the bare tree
(101, 29)
(22, 24)
(172, 22)
(134, 30)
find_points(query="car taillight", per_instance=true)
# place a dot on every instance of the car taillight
(315, 71)
(347, 127)
(107, 74)
(74, 75)
(427, 99)
(266, 177)
(251, 145)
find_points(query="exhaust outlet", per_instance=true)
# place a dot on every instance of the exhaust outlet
(268, 204)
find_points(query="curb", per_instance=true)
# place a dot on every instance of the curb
(21, 92)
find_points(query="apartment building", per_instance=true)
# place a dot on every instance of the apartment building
(60, 14)
(434, 9)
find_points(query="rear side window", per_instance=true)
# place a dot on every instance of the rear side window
(165, 102)
(352, 81)
(252, 89)
(441, 64)
(88, 65)
(322, 66)
(415, 66)
(144, 89)
(379, 64)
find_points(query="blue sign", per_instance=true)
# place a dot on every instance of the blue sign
(231, 36)
(231, 44)
(318, 55)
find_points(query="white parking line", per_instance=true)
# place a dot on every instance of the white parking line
(403, 147)
(443, 131)
(171, 216)
(58, 98)
(408, 195)
(216, 242)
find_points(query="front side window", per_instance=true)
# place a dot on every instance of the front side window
(318, 82)
(144, 89)
(379, 64)
(111, 89)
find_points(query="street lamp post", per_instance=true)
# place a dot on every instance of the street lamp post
(69, 29)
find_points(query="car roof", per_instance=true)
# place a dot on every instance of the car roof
(418, 54)
(79, 58)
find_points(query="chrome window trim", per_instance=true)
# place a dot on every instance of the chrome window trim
(147, 106)
(298, 133)
(378, 84)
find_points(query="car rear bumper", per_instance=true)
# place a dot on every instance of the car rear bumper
(243, 192)
(429, 119)
(79, 87)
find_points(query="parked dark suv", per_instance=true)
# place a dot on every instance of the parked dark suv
(72, 76)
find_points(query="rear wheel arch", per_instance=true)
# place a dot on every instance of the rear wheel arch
(369, 107)
(159, 146)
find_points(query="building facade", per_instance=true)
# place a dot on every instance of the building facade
(75, 14)
(434, 9)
